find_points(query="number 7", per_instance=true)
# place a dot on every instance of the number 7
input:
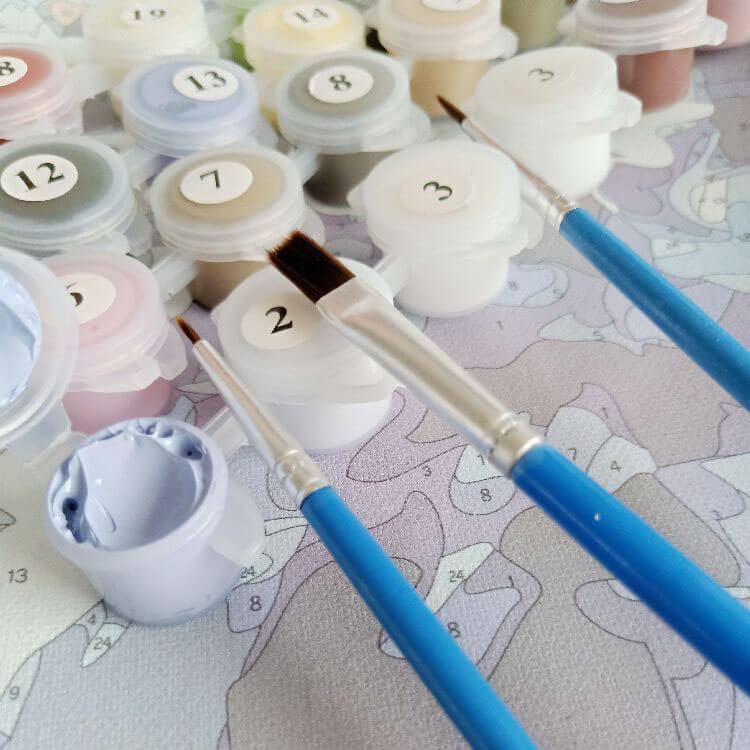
(215, 173)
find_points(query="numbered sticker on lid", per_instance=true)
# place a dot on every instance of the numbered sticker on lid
(450, 6)
(281, 321)
(311, 16)
(340, 83)
(440, 191)
(205, 83)
(544, 80)
(137, 14)
(39, 177)
(12, 70)
(216, 182)
(91, 293)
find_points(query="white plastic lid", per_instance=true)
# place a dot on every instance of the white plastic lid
(53, 367)
(441, 197)
(271, 333)
(558, 90)
(179, 105)
(647, 25)
(280, 33)
(60, 192)
(443, 29)
(126, 341)
(228, 204)
(345, 103)
(124, 33)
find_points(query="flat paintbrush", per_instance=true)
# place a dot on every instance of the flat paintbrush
(702, 339)
(675, 588)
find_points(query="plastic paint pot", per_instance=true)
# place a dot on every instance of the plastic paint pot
(448, 43)
(451, 212)
(280, 34)
(324, 390)
(654, 41)
(223, 209)
(66, 194)
(40, 95)
(39, 339)
(122, 34)
(148, 511)
(179, 105)
(352, 110)
(555, 109)
(736, 15)
(534, 22)
(128, 351)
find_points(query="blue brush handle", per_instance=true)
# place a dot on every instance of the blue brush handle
(703, 340)
(676, 589)
(424, 641)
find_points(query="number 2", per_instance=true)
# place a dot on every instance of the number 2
(282, 313)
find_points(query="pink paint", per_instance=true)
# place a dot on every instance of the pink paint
(129, 353)
(736, 14)
(658, 79)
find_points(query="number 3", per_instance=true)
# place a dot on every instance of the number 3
(438, 188)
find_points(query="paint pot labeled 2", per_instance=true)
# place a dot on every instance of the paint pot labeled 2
(352, 110)
(654, 41)
(324, 390)
(39, 340)
(555, 109)
(40, 95)
(65, 194)
(448, 43)
(128, 351)
(148, 511)
(451, 212)
(177, 106)
(223, 209)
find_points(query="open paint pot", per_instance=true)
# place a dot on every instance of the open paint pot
(535, 23)
(40, 95)
(68, 193)
(221, 210)
(148, 511)
(555, 109)
(179, 105)
(451, 212)
(280, 34)
(39, 340)
(654, 41)
(736, 15)
(352, 110)
(323, 389)
(122, 34)
(128, 351)
(448, 42)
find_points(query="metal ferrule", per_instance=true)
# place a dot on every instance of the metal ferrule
(368, 320)
(550, 203)
(295, 470)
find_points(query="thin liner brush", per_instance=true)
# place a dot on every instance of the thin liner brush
(704, 341)
(663, 578)
(424, 641)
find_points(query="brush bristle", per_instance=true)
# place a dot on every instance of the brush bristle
(451, 110)
(188, 330)
(313, 270)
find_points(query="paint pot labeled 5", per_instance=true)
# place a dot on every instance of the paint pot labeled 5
(324, 390)
(128, 351)
(148, 511)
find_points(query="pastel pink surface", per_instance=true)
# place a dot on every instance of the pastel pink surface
(658, 79)
(736, 14)
(40, 68)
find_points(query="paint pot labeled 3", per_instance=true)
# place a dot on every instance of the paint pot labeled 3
(223, 209)
(39, 340)
(148, 511)
(352, 110)
(128, 352)
(555, 109)
(324, 390)
(451, 212)
(64, 194)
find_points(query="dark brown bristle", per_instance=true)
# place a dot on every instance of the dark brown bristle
(313, 270)
(451, 110)
(188, 330)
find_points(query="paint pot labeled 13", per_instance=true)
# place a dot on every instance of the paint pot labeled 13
(148, 511)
